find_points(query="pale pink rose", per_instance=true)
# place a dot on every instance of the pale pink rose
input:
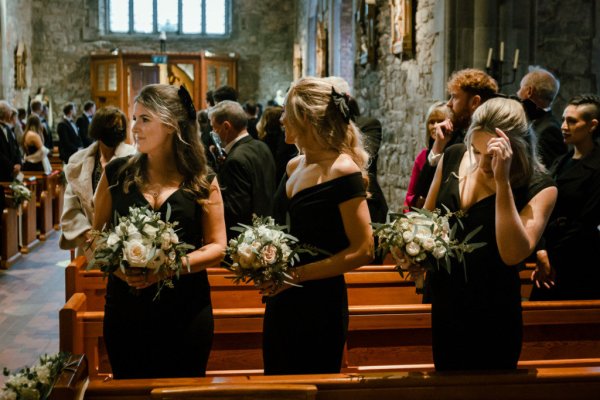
(269, 254)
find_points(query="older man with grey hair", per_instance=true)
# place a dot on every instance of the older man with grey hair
(247, 174)
(10, 158)
(537, 92)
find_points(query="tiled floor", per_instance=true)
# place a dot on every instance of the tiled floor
(32, 291)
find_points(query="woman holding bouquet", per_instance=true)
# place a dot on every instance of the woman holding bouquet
(323, 192)
(496, 179)
(170, 336)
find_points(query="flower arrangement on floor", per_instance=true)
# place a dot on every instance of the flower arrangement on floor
(20, 193)
(264, 252)
(424, 239)
(141, 240)
(34, 383)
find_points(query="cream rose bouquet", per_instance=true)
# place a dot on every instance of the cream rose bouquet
(20, 193)
(425, 240)
(33, 382)
(264, 252)
(141, 240)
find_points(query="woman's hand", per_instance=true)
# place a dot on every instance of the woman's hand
(544, 274)
(502, 153)
(138, 278)
(269, 289)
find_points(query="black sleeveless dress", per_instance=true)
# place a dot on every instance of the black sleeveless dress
(169, 337)
(32, 166)
(305, 328)
(476, 314)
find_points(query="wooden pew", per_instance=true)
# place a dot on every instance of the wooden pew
(379, 337)
(523, 384)
(9, 230)
(44, 203)
(57, 186)
(29, 219)
(367, 285)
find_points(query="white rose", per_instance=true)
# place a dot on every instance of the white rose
(428, 243)
(165, 241)
(43, 373)
(133, 233)
(150, 231)
(265, 233)
(136, 253)
(246, 254)
(113, 239)
(408, 236)
(439, 252)
(268, 254)
(413, 249)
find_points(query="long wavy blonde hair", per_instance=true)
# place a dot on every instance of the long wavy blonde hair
(309, 102)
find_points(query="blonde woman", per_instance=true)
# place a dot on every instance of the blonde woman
(324, 196)
(496, 179)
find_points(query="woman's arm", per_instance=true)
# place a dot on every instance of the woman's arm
(213, 230)
(518, 233)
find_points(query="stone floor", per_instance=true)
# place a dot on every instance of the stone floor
(32, 292)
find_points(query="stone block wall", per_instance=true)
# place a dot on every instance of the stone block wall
(65, 34)
(17, 28)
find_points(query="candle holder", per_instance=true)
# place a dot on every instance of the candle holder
(495, 66)
(163, 42)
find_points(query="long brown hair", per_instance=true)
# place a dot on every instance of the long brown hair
(165, 103)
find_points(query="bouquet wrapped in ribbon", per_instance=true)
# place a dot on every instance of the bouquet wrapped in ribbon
(424, 239)
(141, 240)
(264, 252)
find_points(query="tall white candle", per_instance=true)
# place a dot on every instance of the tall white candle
(488, 64)
(501, 51)
(516, 64)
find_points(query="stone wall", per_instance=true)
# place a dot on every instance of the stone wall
(398, 92)
(17, 28)
(64, 36)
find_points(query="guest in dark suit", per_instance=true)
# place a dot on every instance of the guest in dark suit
(247, 175)
(37, 108)
(537, 92)
(568, 268)
(83, 122)
(252, 112)
(10, 161)
(68, 134)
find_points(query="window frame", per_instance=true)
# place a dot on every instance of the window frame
(178, 34)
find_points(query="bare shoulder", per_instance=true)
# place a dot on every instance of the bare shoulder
(293, 164)
(343, 165)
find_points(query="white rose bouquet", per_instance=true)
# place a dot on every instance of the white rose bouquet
(35, 382)
(424, 239)
(141, 240)
(264, 252)
(20, 193)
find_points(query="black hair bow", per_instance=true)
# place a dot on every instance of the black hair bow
(340, 101)
(188, 104)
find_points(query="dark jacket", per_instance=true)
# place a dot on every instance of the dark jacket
(9, 153)
(69, 138)
(372, 133)
(550, 143)
(83, 124)
(247, 180)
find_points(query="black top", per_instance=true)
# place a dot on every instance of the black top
(305, 327)
(476, 312)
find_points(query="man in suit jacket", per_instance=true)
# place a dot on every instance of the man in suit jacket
(247, 175)
(10, 161)
(83, 122)
(537, 92)
(68, 134)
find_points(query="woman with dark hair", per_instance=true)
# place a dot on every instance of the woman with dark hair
(567, 269)
(109, 130)
(172, 335)
(324, 194)
(271, 132)
(36, 155)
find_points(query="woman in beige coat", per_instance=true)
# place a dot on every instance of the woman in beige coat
(83, 172)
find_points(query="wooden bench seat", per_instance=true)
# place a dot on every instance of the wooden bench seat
(44, 202)
(527, 384)
(378, 335)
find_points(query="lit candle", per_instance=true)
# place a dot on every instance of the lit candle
(516, 64)
(501, 51)
(488, 64)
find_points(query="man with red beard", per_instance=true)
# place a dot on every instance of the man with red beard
(468, 89)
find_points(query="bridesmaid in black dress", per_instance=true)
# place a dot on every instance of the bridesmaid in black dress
(496, 179)
(172, 336)
(323, 194)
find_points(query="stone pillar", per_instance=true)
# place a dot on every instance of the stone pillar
(484, 29)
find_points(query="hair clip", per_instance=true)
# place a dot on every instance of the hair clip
(188, 104)
(340, 101)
